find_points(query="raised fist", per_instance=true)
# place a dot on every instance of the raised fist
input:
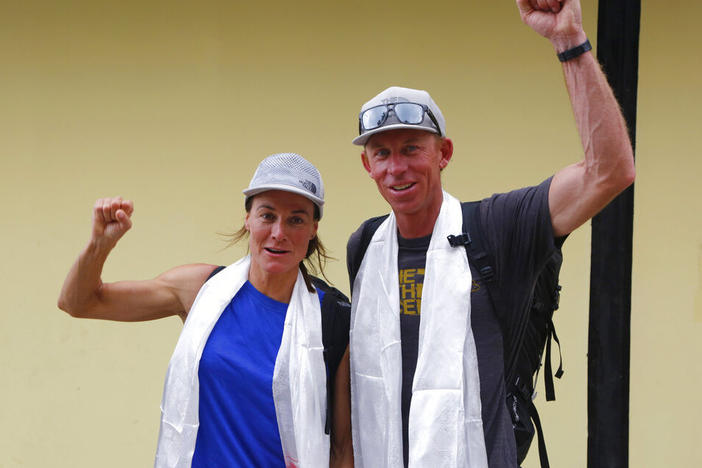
(560, 21)
(111, 219)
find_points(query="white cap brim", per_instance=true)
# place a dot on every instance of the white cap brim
(250, 192)
(361, 140)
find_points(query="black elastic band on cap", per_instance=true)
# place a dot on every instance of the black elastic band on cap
(575, 51)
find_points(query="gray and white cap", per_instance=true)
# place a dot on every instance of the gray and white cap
(397, 94)
(288, 172)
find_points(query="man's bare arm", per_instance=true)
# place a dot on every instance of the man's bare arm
(581, 190)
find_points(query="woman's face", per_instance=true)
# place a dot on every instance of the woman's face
(281, 225)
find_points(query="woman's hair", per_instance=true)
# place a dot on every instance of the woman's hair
(315, 258)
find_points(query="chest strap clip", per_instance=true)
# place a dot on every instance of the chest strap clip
(459, 240)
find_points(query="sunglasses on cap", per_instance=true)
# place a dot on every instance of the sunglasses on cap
(411, 113)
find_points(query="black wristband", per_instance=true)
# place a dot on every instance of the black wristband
(575, 51)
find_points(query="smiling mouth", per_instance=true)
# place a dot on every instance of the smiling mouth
(275, 251)
(400, 188)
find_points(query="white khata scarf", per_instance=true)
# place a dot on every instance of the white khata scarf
(299, 377)
(445, 425)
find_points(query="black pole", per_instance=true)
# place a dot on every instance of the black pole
(610, 275)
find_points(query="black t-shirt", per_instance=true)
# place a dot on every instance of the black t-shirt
(518, 232)
(411, 258)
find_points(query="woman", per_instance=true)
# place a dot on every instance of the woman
(246, 385)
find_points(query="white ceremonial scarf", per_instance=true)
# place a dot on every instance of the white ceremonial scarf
(299, 377)
(445, 424)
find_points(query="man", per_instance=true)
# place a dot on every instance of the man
(427, 377)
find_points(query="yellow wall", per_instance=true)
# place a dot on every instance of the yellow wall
(173, 104)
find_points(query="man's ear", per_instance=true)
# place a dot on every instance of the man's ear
(446, 148)
(364, 159)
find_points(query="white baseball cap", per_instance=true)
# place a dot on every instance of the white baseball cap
(288, 172)
(379, 118)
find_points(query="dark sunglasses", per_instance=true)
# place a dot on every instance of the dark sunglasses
(411, 113)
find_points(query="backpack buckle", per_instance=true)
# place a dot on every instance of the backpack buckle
(459, 240)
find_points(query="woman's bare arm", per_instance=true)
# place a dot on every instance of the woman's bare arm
(85, 295)
(341, 446)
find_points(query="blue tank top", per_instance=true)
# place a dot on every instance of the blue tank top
(238, 426)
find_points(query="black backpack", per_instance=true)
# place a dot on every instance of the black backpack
(336, 317)
(524, 340)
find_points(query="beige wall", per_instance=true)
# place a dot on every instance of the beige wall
(172, 104)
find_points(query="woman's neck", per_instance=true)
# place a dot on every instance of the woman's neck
(278, 286)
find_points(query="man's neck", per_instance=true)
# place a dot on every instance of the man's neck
(421, 222)
(417, 225)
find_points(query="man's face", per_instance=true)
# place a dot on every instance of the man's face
(405, 165)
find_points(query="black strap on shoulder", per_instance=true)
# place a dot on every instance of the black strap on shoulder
(336, 319)
(355, 258)
(479, 256)
(472, 239)
(215, 271)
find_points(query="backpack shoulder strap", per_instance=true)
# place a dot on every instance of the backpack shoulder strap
(215, 271)
(475, 243)
(476, 246)
(358, 244)
(473, 239)
(483, 260)
(336, 319)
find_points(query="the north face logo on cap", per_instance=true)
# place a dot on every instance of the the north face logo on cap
(309, 186)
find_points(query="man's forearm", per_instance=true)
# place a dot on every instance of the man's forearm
(602, 129)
